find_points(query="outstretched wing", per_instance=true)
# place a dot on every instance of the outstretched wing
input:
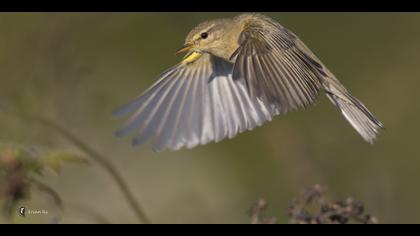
(276, 65)
(194, 103)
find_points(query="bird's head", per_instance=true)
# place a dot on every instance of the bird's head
(208, 37)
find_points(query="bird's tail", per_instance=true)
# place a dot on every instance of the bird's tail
(355, 112)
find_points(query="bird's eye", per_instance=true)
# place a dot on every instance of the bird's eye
(204, 35)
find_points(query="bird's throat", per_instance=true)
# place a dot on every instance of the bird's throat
(191, 57)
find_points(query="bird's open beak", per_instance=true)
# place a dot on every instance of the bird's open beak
(184, 48)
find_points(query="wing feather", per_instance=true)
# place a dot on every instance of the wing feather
(193, 104)
(274, 67)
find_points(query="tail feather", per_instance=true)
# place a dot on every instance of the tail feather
(357, 115)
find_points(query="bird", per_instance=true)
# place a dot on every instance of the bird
(237, 74)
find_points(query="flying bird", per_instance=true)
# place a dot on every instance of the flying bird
(237, 74)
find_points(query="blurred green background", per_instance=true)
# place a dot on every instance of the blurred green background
(76, 68)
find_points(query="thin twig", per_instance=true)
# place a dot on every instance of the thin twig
(48, 190)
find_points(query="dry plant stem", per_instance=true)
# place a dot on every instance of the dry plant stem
(135, 206)
(45, 188)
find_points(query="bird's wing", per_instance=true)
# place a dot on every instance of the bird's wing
(194, 104)
(276, 65)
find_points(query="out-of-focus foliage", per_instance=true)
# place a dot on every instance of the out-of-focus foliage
(76, 68)
(257, 213)
(20, 169)
(36, 160)
(315, 207)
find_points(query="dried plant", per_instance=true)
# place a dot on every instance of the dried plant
(314, 207)
(20, 170)
(257, 213)
(90, 152)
